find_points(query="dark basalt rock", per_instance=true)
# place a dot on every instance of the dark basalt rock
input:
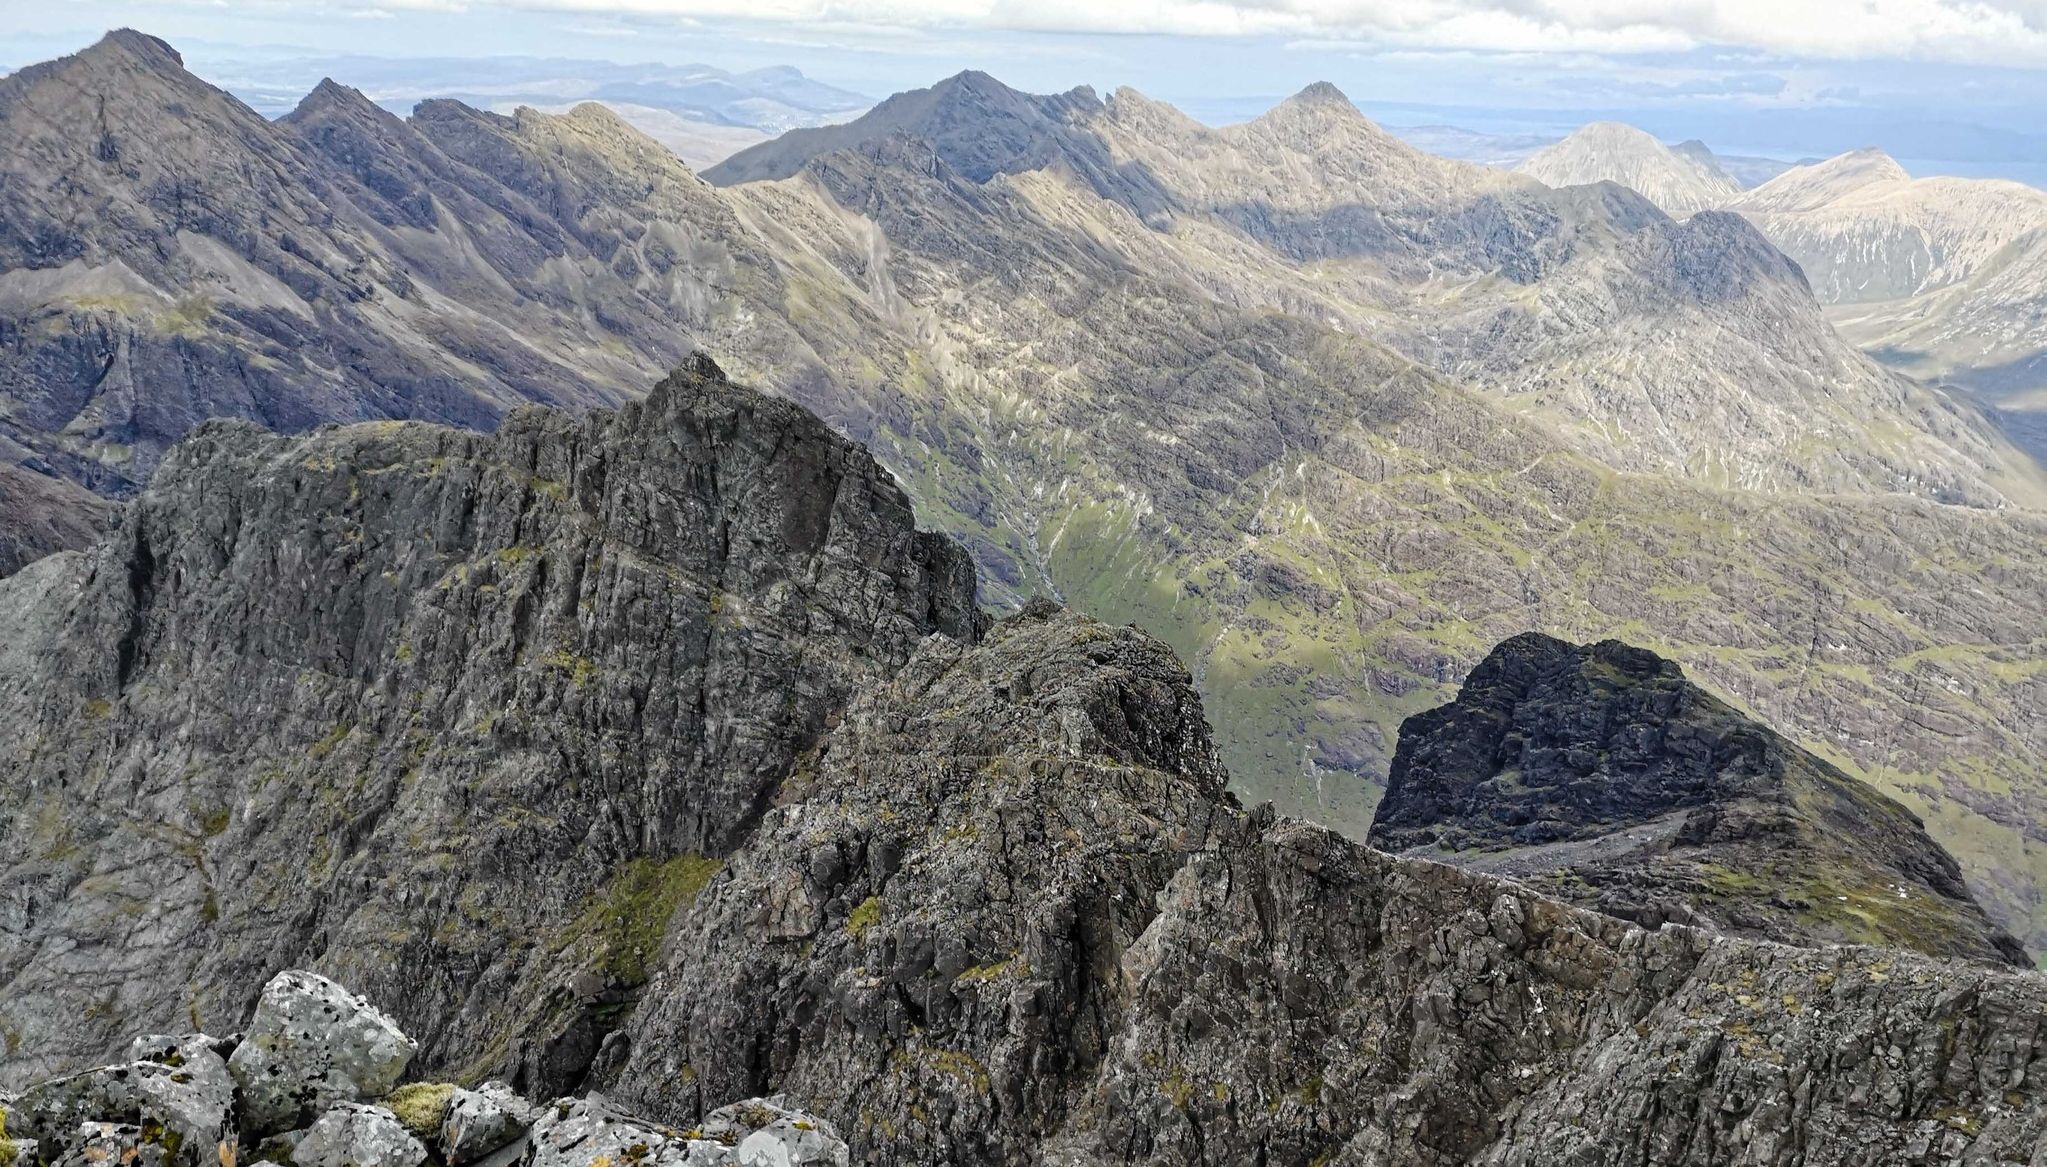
(1603, 776)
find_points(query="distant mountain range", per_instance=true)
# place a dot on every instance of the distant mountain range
(1329, 414)
(772, 99)
(1942, 278)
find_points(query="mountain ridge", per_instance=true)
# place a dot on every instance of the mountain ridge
(1332, 484)
(967, 891)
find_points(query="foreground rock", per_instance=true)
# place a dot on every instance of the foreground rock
(334, 1058)
(1600, 775)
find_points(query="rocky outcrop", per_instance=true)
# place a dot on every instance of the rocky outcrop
(454, 718)
(177, 1108)
(1602, 776)
(1003, 944)
(312, 1044)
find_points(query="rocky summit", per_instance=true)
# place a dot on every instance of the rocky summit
(655, 764)
(1602, 776)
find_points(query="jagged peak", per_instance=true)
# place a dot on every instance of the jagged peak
(123, 51)
(332, 97)
(1319, 102)
(137, 45)
(1321, 93)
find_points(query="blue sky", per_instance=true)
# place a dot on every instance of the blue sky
(1949, 86)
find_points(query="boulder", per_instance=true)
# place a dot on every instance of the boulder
(178, 1096)
(764, 1132)
(313, 1044)
(355, 1135)
(483, 1120)
(758, 1132)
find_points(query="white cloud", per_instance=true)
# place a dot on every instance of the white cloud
(2003, 31)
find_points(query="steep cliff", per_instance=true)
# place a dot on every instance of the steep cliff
(446, 714)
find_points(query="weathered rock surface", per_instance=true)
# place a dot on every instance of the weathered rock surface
(312, 1044)
(354, 1135)
(40, 514)
(182, 1108)
(1062, 945)
(452, 718)
(483, 1120)
(175, 1096)
(759, 1132)
(1600, 775)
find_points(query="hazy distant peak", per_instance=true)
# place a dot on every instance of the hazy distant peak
(1681, 181)
(331, 97)
(1869, 164)
(1805, 188)
(1321, 98)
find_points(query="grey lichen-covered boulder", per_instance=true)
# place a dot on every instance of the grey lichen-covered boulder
(312, 1044)
(759, 1132)
(484, 1120)
(355, 1135)
(177, 1095)
(764, 1132)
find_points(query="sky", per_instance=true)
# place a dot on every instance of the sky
(1947, 86)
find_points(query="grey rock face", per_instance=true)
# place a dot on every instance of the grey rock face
(456, 719)
(314, 1043)
(40, 514)
(1040, 935)
(96, 1144)
(483, 1120)
(354, 1135)
(764, 1132)
(179, 1107)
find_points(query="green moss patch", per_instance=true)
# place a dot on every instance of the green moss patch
(626, 920)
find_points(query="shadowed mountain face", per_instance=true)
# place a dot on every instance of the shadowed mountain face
(1330, 416)
(1602, 776)
(657, 754)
